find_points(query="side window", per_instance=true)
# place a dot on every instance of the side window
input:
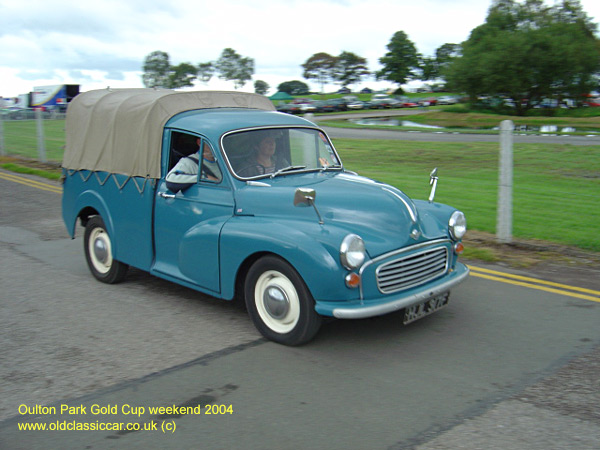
(182, 145)
(209, 168)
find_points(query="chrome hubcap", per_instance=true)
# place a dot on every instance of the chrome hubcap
(276, 302)
(100, 250)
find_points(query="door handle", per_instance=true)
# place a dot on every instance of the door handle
(165, 195)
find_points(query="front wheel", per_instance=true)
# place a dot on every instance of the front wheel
(98, 253)
(279, 303)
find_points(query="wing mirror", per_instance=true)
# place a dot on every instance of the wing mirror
(306, 197)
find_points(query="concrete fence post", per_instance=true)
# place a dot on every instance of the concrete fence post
(505, 184)
(2, 149)
(40, 135)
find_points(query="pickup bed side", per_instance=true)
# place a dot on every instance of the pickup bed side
(124, 203)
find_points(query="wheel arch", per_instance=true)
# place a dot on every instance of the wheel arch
(90, 204)
(245, 243)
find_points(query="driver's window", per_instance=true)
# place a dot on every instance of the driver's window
(209, 167)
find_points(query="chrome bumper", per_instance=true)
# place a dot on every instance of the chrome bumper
(426, 292)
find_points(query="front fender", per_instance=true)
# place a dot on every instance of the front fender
(309, 247)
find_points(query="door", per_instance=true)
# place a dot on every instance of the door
(187, 226)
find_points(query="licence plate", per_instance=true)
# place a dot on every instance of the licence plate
(420, 310)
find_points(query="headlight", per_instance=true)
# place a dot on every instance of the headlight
(352, 252)
(457, 225)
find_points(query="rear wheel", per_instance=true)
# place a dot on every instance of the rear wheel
(279, 303)
(98, 253)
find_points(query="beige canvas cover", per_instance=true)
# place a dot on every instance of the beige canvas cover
(120, 130)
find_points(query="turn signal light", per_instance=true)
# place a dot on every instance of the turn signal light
(352, 280)
(458, 248)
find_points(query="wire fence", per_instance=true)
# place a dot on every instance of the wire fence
(551, 199)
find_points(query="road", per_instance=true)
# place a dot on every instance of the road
(439, 135)
(511, 363)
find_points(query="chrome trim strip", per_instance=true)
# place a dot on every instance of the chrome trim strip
(426, 293)
(413, 214)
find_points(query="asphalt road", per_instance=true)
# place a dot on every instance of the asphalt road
(354, 133)
(508, 364)
(438, 135)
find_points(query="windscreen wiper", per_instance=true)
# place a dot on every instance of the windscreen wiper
(331, 167)
(287, 169)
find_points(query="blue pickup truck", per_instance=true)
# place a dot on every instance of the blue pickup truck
(271, 215)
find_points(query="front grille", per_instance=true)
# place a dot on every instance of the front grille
(412, 270)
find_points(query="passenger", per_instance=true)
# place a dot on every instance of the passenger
(263, 159)
(185, 173)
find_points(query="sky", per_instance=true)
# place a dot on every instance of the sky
(97, 44)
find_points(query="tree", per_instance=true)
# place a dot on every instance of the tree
(527, 52)
(320, 67)
(205, 71)
(401, 61)
(261, 87)
(435, 67)
(294, 87)
(233, 67)
(182, 75)
(428, 66)
(349, 68)
(156, 70)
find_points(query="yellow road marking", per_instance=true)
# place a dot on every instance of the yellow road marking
(535, 280)
(480, 272)
(541, 285)
(31, 183)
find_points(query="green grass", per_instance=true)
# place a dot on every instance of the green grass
(556, 187)
(18, 168)
(20, 138)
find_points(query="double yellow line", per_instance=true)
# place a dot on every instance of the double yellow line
(30, 182)
(535, 283)
(517, 280)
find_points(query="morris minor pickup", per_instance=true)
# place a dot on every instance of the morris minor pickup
(271, 216)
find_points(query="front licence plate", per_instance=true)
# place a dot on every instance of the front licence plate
(420, 310)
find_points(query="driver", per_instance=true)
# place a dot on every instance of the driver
(263, 159)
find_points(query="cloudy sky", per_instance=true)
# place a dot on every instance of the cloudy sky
(103, 43)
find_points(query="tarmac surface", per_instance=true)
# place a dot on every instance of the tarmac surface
(504, 367)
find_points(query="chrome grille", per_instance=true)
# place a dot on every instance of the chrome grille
(412, 270)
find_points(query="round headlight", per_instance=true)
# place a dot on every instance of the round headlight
(352, 252)
(457, 225)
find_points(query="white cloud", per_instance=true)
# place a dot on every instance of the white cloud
(96, 44)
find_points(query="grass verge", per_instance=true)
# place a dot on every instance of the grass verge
(555, 194)
(556, 186)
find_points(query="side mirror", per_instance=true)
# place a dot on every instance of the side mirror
(306, 197)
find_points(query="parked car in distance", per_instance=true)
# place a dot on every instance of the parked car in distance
(289, 108)
(335, 104)
(429, 101)
(447, 100)
(297, 240)
(380, 101)
(355, 105)
(405, 102)
(307, 107)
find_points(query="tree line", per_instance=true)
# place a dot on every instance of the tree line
(525, 51)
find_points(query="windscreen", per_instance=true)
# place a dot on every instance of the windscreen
(270, 152)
